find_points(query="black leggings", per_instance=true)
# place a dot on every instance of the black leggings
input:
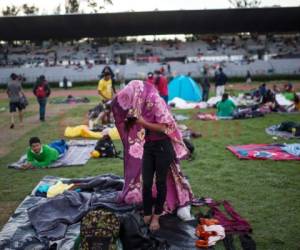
(157, 157)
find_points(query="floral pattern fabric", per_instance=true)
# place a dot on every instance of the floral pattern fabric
(142, 99)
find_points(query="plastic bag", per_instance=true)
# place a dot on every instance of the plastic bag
(184, 213)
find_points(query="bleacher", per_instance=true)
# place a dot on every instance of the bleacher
(84, 60)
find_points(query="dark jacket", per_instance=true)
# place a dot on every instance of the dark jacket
(221, 79)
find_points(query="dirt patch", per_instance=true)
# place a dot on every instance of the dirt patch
(61, 93)
(10, 136)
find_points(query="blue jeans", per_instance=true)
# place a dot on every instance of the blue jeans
(60, 146)
(42, 102)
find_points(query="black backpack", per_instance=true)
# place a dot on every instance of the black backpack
(289, 126)
(106, 147)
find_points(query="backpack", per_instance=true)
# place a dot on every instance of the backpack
(289, 126)
(99, 229)
(106, 147)
(40, 91)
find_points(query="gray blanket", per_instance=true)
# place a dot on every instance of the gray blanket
(40, 223)
(273, 130)
(77, 154)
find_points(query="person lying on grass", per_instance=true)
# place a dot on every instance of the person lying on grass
(41, 155)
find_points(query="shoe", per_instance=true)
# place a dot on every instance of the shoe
(12, 126)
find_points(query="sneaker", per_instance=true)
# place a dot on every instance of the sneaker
(12, 126)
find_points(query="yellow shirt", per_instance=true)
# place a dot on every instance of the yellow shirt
(105, 88)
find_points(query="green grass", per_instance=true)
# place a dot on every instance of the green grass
(265, 192)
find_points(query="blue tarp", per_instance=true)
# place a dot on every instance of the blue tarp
(185, 88)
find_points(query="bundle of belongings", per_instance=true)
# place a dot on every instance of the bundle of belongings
(188, 133)
(85, 132)
(287, 129)
(70, 100)
(277, 152)
(105, 148)
(250, 112)
(86, 214)
(210, 231)
(179, 103)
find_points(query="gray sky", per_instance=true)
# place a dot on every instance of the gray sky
(47, 6)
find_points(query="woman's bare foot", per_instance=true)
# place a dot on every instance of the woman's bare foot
(147, 219)
(154, 225)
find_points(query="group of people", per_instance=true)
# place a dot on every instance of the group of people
(153, 144)
(220, 82)
(160, 81)
(18, 100)
(267, 97)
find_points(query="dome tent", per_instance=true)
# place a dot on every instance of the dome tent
(185, 88)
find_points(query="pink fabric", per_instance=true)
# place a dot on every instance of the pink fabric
(261, 152)
(142, 99)
(207, 117)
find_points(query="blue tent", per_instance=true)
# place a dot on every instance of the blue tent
(185, 88)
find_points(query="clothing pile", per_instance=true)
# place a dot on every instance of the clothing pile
(246, 113)
(94, 217)
(210, 232)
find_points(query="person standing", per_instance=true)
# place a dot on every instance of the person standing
(221, 80)
(205, 86)
(42, 91)
(161, 84)
(248, 77)
(106, 91)
(14, 92)
(153, 145)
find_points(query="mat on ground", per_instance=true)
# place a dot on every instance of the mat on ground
(277, 152)
(77, 155)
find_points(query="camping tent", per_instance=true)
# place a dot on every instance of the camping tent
(185, 88)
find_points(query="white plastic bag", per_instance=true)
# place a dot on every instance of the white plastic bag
(184, 213)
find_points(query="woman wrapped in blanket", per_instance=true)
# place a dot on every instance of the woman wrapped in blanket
(152, 147)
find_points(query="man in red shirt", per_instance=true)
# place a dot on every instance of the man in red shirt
(161, 83)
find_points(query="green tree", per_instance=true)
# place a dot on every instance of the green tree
(97, 5)
(10, 11)
(29, 10)
(57, 10)
(72, 6)
(245, 3)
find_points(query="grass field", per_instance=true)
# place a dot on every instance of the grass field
(267, 193)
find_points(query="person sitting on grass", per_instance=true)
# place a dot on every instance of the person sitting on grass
(289, 91)
(41, 155)
(225, 107)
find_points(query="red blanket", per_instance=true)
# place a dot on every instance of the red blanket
(261, 152)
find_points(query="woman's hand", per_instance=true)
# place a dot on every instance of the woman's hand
(140, 121)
